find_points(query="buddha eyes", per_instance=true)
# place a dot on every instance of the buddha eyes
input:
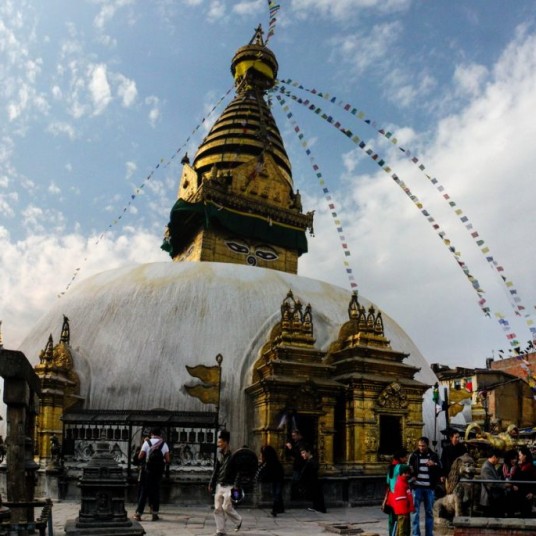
(239, 248)
(266, 253)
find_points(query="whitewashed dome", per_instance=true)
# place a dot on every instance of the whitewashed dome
(134, 329)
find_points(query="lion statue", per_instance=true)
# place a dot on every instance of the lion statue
(459, 497)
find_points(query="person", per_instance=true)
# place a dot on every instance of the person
(509, 463)
(221, 484)
(450, 452)
(400, 457)
(426, 470)
(293, 450)
(309, 483)
(492, 493)
(154, 455)
(271, 470)
(526, 472)
(402, 501)
(508, 466)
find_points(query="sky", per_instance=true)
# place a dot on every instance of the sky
(100, 99)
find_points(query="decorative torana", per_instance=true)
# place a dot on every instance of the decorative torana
(393, 397)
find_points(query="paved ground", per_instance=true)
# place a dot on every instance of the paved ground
(199, 521)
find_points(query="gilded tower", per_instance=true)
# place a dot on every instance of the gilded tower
(60, 389)
(236, 201)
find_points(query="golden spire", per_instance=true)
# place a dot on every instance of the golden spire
(246, 129)
(236, 201)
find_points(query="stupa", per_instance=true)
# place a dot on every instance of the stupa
(296, 351)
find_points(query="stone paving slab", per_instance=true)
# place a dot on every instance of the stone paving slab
(199, 521)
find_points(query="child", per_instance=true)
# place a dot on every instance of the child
(402, 502)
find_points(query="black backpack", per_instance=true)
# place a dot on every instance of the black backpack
(155, 460)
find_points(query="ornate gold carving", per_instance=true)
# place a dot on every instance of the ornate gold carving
(393, 397)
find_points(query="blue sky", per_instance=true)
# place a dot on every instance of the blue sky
(95, 94)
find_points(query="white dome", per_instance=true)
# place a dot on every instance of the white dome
(134, 329)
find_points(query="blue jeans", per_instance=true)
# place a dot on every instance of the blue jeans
(425, 496)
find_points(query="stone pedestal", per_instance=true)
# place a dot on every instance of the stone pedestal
(102, 511)
(21, 388)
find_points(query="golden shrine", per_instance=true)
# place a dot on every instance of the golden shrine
(357, 403)
(60, 390)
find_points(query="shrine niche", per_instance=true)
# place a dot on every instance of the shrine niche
(356, 404)
(382, 402)
(291, 380)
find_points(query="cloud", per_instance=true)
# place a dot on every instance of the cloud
(53, 261)
(126, 89)
(53, 188)
(99, 87)
(62, 128)
(108, 10)
(249, 8)
(343, 9)
(131, 168)
(216, 11)
(364, 49)
(154, 112)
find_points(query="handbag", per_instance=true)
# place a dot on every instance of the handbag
(386, 508)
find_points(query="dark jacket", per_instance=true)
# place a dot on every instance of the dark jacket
(490, 493)
(223, 473)
(434, 471)
(449, 454)
(270, 472)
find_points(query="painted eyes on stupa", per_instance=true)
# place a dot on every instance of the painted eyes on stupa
(266, 255)
(262, 252)
(238, 248)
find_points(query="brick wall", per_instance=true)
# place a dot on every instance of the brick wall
(512, 365)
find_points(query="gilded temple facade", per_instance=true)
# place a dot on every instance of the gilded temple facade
(356, 403)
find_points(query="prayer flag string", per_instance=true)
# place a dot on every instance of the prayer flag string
(273, 8)
(380, 162)
(510, 335)
(161, 164)
(508, 285)
(327, 194)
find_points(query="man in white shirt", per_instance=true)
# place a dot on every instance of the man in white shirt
(154, 455)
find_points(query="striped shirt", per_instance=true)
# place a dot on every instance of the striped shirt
(422, 479)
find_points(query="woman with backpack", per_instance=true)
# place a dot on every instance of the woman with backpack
(154, 455)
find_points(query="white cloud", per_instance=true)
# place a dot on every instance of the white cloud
(53, 188)
(362, 50)
(154, 112)
(126, 89)
(342, 9)
(53, 261)
(131, 169)
(470, 78)
(216, 11)
(108, 10)
(249, 8)
(99, 87)
(62, 128)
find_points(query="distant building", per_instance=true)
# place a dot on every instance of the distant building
(492, 397)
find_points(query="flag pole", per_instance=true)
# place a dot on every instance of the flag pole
(219, 360)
